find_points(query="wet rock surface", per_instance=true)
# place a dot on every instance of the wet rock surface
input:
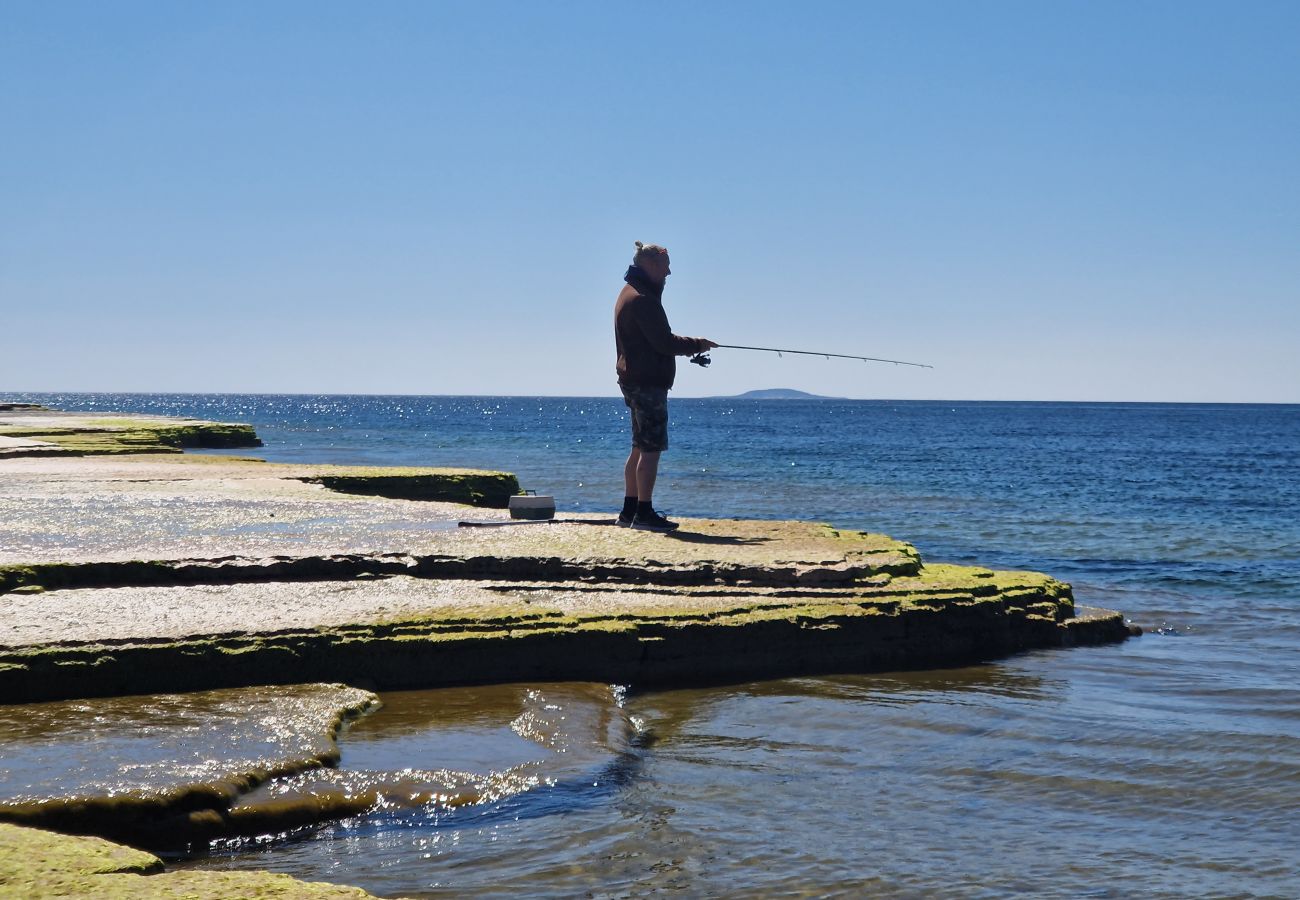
(429, 752)
(146, 765)
(177, 772)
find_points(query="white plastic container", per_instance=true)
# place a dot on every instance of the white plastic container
(531, 506)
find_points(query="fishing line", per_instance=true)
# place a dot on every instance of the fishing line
(702, 359)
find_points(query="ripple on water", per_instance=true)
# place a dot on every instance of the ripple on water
(432, 760)
(258, 758)
(1024, 776)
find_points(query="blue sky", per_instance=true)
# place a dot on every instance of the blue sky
(1073, 201)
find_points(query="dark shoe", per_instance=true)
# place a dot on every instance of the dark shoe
(652, 522)
(624, 520)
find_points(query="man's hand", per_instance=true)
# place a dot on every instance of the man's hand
(701, 355)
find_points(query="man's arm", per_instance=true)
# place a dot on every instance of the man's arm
(653, 322)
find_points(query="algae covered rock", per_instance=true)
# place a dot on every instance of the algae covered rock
(30, 857)
(469, 486)
(107, 434)
(36, 864)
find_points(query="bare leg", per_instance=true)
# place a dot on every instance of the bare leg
(629, 473)
(647, 470)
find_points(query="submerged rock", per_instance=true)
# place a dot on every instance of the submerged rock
(430, 752)
(178, 771)
(149, 767)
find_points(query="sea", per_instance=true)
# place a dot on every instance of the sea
(1165, 766)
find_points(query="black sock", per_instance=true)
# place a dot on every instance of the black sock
(629, 507)
(645, 509)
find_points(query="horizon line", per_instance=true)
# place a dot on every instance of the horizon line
(105, 393)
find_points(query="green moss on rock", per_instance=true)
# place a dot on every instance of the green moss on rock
(15, 577)
(30, 854)
(469, 486)
(943, 616)
(115, 436)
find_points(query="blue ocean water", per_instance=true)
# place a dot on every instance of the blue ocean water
(1168, 765)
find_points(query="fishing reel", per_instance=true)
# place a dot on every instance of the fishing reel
(701, 359)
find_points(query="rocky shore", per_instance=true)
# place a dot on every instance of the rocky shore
(128, 567)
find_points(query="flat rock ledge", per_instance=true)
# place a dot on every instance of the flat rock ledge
(29, 429)
(147, 573)
(577, 600)
(495, 632)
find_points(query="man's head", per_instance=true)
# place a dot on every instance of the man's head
(653, 260)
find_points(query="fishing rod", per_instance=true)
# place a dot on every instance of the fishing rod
(702, 359)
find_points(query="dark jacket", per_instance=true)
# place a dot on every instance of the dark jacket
(646, 345)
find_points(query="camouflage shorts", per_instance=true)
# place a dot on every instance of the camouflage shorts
(649, 407)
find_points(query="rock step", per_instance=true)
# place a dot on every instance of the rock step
(90, 434)
(493, 633)
(234, 570)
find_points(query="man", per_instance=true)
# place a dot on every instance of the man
(646, 370)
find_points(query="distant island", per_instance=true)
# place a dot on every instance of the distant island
(777, 394)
